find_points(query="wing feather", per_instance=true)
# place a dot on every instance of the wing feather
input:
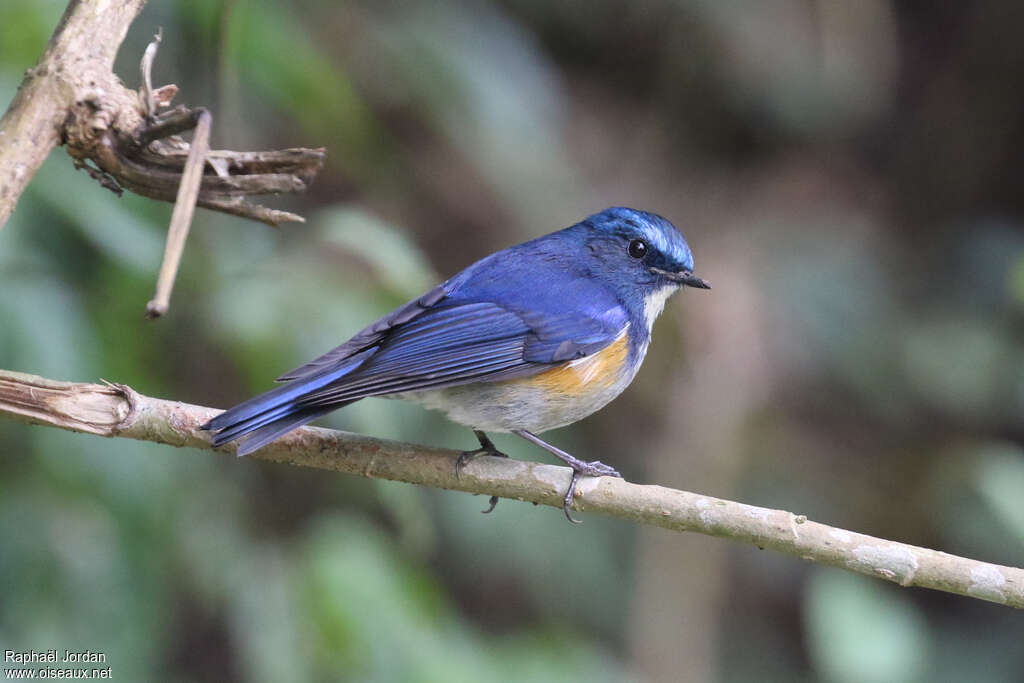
(371, 335)
(450, 345)
(432, 342)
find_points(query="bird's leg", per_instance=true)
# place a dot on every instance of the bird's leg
(487, 447)
(579, 467)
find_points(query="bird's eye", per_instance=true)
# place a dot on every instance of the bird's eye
(638, 248)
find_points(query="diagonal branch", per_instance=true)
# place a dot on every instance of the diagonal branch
(77, 64)
(116, 410)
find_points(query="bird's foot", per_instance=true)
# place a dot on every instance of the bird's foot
(580, 469)
(487, 447)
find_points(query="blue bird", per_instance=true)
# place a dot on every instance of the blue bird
(531, 338)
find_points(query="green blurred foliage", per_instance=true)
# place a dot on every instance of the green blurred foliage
(842, 172)
(861, 631)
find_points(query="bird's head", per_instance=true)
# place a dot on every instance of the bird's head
(640, 255)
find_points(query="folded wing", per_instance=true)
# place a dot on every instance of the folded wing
(430, 343)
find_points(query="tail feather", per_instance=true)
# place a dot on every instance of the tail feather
(238, 429)
(263, 418)
(280, 396)
(261, 436)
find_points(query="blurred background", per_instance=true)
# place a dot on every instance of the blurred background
(849, 177)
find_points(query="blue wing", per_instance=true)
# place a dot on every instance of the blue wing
(369, 336)
(456, 334)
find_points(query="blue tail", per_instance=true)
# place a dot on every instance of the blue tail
(264, 418)
(253, 437)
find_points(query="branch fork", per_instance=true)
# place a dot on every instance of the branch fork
(131, 140)
(132, 145)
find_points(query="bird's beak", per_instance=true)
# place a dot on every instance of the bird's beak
(688, 279)
(684, 277)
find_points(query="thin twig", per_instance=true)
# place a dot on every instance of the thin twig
(181, 217)
(191, 177)
(117, 410)
(146, 69)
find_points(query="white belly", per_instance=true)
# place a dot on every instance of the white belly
(582, 388)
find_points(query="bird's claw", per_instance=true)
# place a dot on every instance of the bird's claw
(486, 448)
(594, 468)
(567, 501)
(469, 456)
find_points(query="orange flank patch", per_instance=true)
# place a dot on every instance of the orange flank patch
(584, 375)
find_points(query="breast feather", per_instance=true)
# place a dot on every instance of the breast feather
(584, 375)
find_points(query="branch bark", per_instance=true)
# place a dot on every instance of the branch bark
(115, 410)
(79, 59)
(73, 97)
